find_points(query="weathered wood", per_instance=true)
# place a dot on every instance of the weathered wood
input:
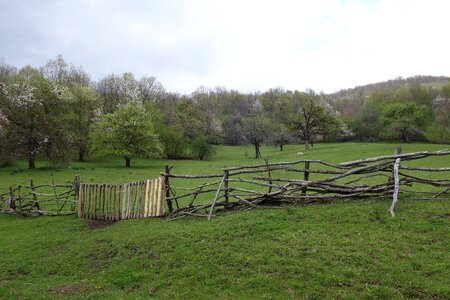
(215, 198)
(117, 201)
(166, 175)
(225, 178)
(306, 176)
(35, 198)
(425, 169)
(396, 188)
(80, 201)
(406, 156)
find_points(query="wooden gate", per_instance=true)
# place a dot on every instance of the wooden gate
(140, 199)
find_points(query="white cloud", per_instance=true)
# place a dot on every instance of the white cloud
(248, 45)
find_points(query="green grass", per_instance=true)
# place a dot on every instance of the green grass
(350, 249)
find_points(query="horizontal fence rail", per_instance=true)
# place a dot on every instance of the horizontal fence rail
(28, 199)
(251, 186)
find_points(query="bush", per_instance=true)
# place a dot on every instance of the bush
(201, 148)
(174, 143)
(437, 133)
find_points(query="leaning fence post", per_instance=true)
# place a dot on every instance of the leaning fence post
(305, 176)
(167, 169)
(398, 151)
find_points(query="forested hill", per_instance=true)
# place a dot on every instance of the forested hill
(363, 92)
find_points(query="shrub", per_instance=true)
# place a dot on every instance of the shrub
(174, 143)
(201, 148)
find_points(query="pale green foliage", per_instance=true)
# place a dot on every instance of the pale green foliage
(84, 104)
(128, 132)
(402, 120)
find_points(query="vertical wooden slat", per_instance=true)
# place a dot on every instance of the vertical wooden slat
(89, 202)
(143, 189)
(158, 193)
(147, 191)
(124, 204)
(111, 211)
(80, 201)
(106, 201)
(152, 198)
(162, 200)
(94, 215)
(130, 191)
(160, 197)
(117, 202)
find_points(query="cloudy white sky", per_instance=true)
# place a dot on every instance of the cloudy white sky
(249, 45)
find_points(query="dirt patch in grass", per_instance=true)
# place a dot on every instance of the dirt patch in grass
(96, 224)
(67, 290)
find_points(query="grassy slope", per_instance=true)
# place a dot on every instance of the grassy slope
(350, 249)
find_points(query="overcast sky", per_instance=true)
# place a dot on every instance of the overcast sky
(246, 45)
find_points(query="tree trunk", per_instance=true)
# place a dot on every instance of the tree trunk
(257, 153)
(31, 162)
(127, 162)
(281, 147)
(306, 145)
(81, 152)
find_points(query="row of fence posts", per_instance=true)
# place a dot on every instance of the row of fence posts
(226, 176)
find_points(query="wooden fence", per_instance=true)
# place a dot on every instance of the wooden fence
(241, 187)
(28, 199)
(246, 187)
(140, 199)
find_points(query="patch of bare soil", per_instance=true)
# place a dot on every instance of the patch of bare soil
(95, 224)
(67, 290)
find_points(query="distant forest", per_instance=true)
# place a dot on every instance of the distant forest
(57, 111)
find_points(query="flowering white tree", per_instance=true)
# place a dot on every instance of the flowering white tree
(33, 107)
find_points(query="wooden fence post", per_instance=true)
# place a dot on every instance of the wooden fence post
(305, 176)
(167, 169)
(10, 201)
(398, 151)
(35, 198)
(226, 176)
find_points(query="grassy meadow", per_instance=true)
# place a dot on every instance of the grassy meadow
(349, 249)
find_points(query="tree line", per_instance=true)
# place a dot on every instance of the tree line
(56, 111)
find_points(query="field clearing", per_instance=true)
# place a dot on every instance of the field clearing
(348, 249)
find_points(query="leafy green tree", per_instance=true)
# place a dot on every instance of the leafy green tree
(439, 130)
(128, 132)
(189, 117)
(84, 105)
(402, 120)
(201, 148)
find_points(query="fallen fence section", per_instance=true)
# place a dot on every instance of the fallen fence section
(140, 199)
(246, 187)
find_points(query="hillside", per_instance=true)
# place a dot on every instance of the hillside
(362, 92)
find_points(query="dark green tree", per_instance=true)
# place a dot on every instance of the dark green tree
(201, 148)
